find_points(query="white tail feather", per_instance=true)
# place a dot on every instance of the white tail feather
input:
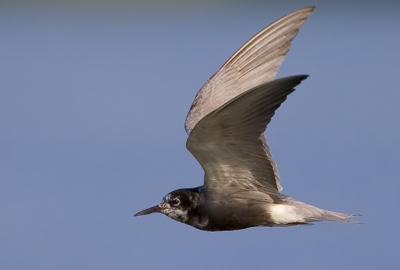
(298, 212)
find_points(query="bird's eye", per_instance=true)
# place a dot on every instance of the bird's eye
(175, 202)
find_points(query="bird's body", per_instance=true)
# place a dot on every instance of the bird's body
(222, 214)
(226, 125)
(208, 213)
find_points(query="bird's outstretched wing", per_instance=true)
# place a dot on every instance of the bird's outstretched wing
(255, 63)
(229, 142)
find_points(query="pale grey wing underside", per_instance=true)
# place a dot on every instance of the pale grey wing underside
(229, 142)
(255, 63)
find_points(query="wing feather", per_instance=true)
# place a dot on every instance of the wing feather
(229, 142)
(256, 62)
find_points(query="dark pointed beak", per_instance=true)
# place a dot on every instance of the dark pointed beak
(154, 209)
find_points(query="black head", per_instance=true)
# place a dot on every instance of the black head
(175, 205)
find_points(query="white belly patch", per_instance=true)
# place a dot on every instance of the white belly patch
(284, 214)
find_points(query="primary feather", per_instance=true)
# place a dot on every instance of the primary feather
(256, 62)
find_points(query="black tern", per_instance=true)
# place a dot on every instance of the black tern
(226, 125)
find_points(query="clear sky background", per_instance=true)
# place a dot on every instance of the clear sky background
(92, 104)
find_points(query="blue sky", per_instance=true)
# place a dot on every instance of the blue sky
(92, 105)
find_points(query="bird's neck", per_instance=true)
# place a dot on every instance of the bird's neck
(197, 217)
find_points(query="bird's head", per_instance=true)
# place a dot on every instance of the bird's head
(175, 205)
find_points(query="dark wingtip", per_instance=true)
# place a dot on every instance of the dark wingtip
(300, 77)
(312, 8)
(309, 8)
(304, 76)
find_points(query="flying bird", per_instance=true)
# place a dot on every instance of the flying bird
(226, 125)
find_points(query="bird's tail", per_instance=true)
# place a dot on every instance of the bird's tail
(337, 217)
(312, 213)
